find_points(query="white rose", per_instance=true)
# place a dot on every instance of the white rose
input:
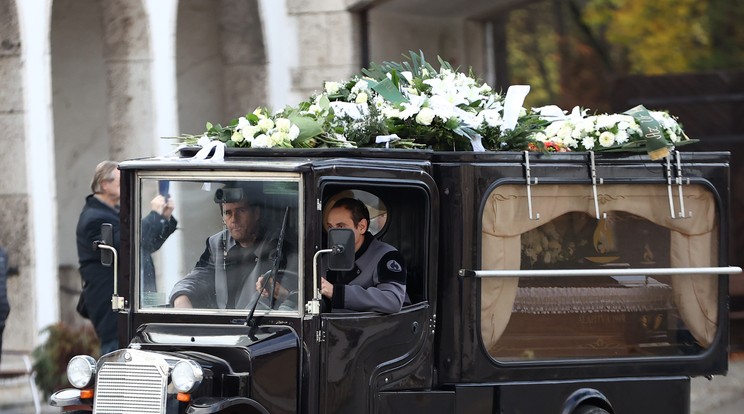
(332, 88)
(606, 139)
(425, 116)
(237, 137)
(279, 138)
(243, 123)
(262, 141)
(361, 98)
(283, 124)
(265, 124)
(294, 132)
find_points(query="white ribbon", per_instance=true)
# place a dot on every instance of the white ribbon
(475, 141)
(207, 146)
(513, 104)
(387, 139)
(352, 110)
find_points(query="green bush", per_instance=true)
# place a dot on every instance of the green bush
(51, 357)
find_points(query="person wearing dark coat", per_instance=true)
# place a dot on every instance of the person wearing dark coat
(4, 306)
(98, 281)
(156, 227)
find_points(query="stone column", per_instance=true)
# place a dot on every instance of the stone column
(14, 198)
(127, 57)
(328, 43)
(243, 56)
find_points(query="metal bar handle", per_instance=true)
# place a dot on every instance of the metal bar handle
(729, 270)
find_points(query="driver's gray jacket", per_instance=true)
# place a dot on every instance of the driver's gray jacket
(211, 283)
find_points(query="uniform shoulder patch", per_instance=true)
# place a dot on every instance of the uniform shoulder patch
(394, 266)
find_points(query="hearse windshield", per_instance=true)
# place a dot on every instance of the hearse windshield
(206, 245)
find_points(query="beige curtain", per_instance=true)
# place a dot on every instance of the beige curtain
(693, 243)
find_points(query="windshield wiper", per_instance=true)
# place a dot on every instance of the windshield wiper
(274, 271)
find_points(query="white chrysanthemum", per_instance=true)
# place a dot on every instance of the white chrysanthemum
(588, 142)
(570, 143)
(621, 137)
(425, 116)
(262, 141)
(539, 136)
(606, 139)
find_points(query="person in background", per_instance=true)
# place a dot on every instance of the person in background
(98, 281)
(378, 281)
(4, 306)
(156, 227)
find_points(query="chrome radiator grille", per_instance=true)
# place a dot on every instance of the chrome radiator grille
(130, 389)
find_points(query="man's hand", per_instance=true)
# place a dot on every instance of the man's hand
(280, 292)
(182, 301)
(160, 206)
(326, 288)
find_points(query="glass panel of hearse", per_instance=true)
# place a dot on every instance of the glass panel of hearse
(603, 315)
(221, 238)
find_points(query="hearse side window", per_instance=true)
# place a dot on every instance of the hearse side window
(398, 217)
(542, 318)
(209, 260)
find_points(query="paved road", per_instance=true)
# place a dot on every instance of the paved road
(721, 395)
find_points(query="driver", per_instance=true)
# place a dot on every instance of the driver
(227, 271)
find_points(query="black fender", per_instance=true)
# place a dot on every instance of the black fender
(207, 405)
(586, 396)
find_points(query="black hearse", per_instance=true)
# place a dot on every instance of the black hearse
(563, 282)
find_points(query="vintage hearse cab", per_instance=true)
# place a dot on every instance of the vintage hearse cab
(570, 283)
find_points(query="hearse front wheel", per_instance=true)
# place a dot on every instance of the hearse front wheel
(590, 409)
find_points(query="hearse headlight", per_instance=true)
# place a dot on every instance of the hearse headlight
(80, 370)
(186, 376)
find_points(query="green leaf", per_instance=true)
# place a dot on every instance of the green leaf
(387, 90)
(309, 128)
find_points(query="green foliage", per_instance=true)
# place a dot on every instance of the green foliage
(51, 358)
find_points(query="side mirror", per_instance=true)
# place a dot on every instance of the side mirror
(107, 238)
(341, 243)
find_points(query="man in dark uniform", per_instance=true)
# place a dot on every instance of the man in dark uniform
(98, 281)
(378, 281)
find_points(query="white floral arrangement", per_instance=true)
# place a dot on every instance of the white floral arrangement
(412, 105)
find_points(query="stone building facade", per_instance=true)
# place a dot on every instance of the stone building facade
(87, 80)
